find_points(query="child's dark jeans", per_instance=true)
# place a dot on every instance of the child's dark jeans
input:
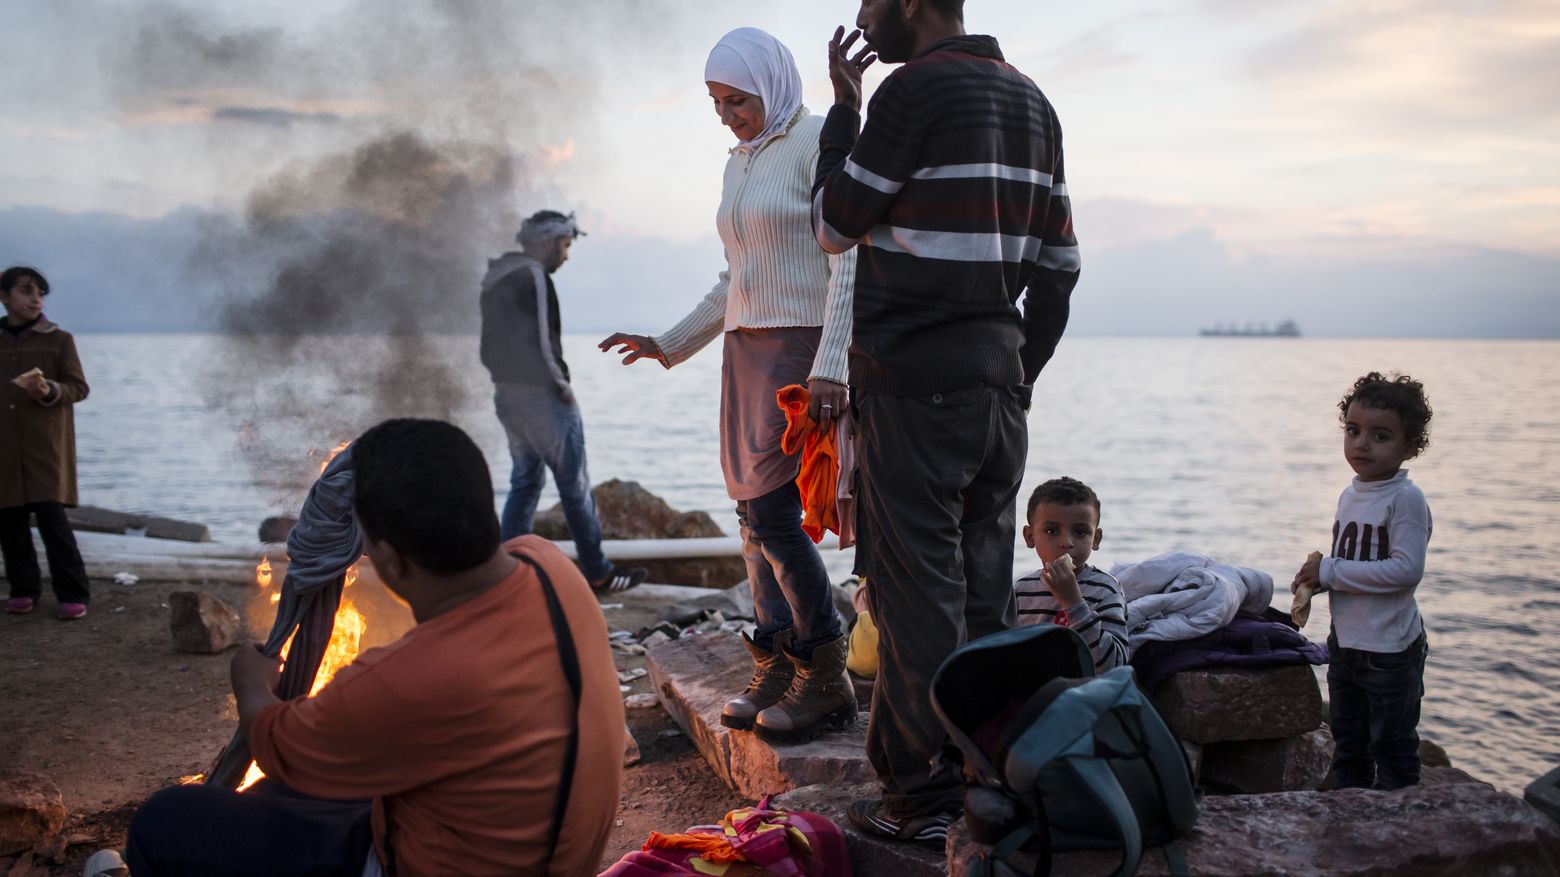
(1373, 709)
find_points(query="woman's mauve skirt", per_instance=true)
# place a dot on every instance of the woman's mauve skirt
(756, 363)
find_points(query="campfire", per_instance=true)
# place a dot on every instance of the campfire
(345, 640)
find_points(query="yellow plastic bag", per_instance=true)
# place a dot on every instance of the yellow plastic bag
(862, 657)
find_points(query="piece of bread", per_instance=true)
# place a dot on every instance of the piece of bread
(25, 379)
(1300, 609)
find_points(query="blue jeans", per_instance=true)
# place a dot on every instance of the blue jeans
(790, 585)
(546, 433)
(1373, 710)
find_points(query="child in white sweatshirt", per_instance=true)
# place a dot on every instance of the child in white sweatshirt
(1379, 538)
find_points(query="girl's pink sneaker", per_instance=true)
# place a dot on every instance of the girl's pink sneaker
(19, 605)
(71, 611)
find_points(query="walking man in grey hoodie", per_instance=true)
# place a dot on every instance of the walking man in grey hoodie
(522, 349)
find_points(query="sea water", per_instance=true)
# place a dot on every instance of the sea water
(1225, 446)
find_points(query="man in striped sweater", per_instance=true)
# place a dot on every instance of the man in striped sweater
(954, 196)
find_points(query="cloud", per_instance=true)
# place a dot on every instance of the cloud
(1412, 66)
(272, 116)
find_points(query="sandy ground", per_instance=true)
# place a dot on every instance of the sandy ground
(107, 709)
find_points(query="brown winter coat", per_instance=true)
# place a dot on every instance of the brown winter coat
(38, 439)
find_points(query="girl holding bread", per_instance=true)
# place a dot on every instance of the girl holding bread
(38, 447)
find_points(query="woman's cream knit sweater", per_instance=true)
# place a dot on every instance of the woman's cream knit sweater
(776, 274)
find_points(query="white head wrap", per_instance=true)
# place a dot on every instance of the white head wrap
(541, 231)
(751, 60)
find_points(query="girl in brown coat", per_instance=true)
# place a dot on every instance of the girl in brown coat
(38, 447)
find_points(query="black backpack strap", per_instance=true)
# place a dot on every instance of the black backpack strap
(570, 658)
(1034, 827)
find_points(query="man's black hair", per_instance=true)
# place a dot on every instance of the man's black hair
(1399, 393)
(423, 487)
(1063, 491)
(14, 274)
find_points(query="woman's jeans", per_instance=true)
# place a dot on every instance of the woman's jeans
(790, 585)
(545, 433)
(1373, 710)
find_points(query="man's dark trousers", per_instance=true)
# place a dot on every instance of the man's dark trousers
(266, 831)
(936, 508)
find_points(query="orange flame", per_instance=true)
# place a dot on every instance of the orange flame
(263, 573)
(345, 642)
(334, 453)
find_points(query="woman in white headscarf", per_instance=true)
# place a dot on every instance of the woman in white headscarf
(783, 307)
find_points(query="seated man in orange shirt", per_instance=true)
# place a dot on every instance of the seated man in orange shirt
(487, 740)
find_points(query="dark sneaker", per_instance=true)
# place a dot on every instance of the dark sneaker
(930, 831)
(619, 579)
(19, 605)
(70, 611)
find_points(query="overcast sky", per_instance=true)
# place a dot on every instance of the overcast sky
(1370, 167)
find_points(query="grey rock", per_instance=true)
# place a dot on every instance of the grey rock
(1428, 831)
(628, 511)
(868, 855)
(277, 528)
(1544, 794)
(1217, 705)
(695, 676)
(1292, 764)
(1432, 755)
(1194, 758)
(631, 754)
(1441, 776)
(32, 812)
(202, 623)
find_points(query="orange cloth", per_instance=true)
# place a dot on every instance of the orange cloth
(819, 477)
(457, 731)
(712, 848)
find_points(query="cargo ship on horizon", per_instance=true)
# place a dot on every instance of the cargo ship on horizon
(1284, 329)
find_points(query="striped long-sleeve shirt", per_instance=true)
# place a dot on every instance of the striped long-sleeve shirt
(1101, 619)
(775, 273)
(956, 193)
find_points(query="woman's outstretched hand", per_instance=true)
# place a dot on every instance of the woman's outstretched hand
(826, 402)
(636, 346)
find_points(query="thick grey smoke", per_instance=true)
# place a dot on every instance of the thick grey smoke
(399, 138)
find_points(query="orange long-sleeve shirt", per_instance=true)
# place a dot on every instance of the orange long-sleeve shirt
(458, 730)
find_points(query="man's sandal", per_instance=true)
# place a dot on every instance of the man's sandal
(619, 579)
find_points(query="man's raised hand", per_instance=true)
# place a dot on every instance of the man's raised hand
(845, 69)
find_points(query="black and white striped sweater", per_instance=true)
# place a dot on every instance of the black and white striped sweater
(955, 195)
(1101, 619)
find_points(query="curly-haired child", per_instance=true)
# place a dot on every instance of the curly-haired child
(1379, 538)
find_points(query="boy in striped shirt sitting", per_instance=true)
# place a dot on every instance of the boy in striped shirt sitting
(1063, 526)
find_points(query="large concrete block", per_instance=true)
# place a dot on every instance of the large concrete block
(1214, 706)
(1544, 794)
(1428, 831)
(695, 676)
(1292, 764)
(32, 812)
(869, 855)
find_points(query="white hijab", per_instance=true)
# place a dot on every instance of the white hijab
(751, 60)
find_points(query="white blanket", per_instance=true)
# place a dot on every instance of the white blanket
(1181, 595)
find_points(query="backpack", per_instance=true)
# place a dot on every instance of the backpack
(1056, 758)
